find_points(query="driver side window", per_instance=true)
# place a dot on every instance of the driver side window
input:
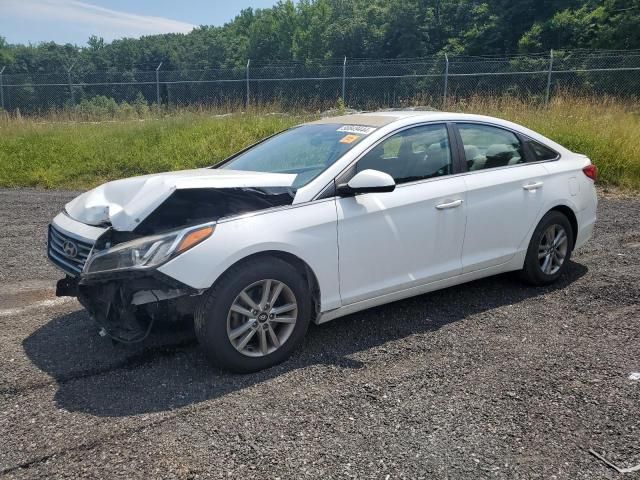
(413, 154)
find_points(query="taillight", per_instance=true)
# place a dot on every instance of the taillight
(591, 171)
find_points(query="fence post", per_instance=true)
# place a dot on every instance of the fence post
(2, 89)
(446, 80)
(548, 95)
(344, 80)
(158, 85)
(73, 98)
(248, 63)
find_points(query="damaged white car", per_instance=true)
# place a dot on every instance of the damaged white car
(320, 221)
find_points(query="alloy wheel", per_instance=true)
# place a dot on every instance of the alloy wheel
(262, 318)
(552, 250)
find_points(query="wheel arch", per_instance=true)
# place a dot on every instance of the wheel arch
(571, 216)
(566, 209)
(296, 262)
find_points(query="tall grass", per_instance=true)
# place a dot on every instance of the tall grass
(82, 155)
(57, 151)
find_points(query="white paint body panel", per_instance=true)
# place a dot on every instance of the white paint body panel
(500, 213)
(371, 178)
(373, 248)
(125, 203)
(78, 230)
(397, 240)
(572, 188)
(306, 231)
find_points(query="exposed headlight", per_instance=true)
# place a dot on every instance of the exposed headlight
(147, 252)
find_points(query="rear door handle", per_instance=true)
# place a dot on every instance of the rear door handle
(533, 186)
(454, 204)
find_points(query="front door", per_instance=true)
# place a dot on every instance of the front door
(414, 235)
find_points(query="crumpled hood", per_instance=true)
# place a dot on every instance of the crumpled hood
(127, 202)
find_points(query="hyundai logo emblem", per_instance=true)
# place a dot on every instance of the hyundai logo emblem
(70, 249)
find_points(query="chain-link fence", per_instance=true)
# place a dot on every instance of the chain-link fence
(360, 83)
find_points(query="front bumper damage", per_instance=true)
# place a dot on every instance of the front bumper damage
(125, 306)
(125, 303)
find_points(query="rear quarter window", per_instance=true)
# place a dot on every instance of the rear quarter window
(540, 152)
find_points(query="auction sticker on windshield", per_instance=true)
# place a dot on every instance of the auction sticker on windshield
(349, 138)
(359, 129)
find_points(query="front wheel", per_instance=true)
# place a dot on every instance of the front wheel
(549, 250)
(255, 315)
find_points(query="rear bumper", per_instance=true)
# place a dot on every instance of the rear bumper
(585, 232)
(587, 221)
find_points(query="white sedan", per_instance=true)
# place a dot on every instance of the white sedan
(320, 221)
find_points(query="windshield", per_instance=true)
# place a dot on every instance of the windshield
(306, 151)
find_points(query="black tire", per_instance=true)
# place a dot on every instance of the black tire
(532, 272)
(210, 320)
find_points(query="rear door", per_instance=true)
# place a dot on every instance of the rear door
(411, 236)
(505, 194)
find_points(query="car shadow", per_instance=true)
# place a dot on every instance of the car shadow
(168, 370)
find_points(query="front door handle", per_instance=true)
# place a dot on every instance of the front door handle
(533, 186)
(454, 204)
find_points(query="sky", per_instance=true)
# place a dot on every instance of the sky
(74, 21)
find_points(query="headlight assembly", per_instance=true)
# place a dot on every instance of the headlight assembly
(147, 252)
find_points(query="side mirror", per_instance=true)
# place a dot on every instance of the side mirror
(367, 181)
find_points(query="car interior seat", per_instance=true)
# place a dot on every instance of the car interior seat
(437, 158)
(475, 160)
(375, 160)
(499, 155)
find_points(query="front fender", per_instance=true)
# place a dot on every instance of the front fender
(307, 231)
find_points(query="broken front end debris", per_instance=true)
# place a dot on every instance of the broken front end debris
(116, 278)
(126, 307)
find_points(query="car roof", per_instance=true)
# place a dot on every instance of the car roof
(383, 118)
(369, 119)
(408, 117)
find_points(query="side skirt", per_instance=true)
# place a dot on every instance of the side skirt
(515, 263)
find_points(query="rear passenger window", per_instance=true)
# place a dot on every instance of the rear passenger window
(489, 147)
(540, 152)
(413, 154)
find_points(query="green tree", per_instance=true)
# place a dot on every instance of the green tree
(322, 29)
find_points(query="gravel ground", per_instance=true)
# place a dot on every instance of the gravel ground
(491, 379)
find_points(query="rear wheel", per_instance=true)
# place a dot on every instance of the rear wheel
(255, 315)
(549, 250)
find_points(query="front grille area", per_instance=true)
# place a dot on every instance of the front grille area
(61, 249)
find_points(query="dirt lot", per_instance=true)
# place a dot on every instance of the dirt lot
(487, 380)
